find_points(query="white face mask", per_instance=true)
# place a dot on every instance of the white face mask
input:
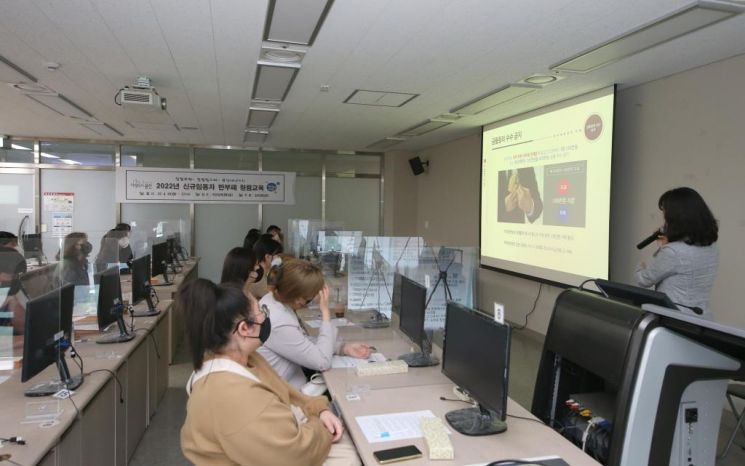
(124, 242)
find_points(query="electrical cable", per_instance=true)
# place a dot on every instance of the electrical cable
(532, 310)
(528, 419)
(77, 411)
(118, 382)
(514, 462)
(455, 399)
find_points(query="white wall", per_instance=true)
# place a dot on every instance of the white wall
(684, 130)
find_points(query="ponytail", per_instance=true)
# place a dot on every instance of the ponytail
(210, 312)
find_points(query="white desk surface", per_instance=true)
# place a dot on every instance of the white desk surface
(523, 438)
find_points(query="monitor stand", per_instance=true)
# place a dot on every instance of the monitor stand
(377, 320)
(166, 281)
(65, 381)
(122, 337)
(475, 421)
(423, 358)
(151, 309)
(419, 359)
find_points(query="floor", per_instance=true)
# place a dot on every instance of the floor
(160, 445)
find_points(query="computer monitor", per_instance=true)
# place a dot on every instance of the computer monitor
(412, 314)
(476, 357)
(180, 250)
(141, 286)
(46, 337)
(634, 295)
(111, 307)
(173, 251)
(32, 247)
(396, 295)
(160, 261)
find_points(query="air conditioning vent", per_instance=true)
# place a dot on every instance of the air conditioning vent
(135, 97)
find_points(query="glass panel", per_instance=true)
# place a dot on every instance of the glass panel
(153, 223)
(309, 167)
(304, 164)
(355, 201)
(155, 156)
(352, 165)
(226, 159)
(77, 154)
(17, 151)
(219, 228)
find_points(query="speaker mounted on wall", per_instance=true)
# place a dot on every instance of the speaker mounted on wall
(417, 166)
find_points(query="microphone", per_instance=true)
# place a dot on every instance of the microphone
(648, 240)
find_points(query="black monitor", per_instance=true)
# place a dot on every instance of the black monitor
(46, 337)
(173, 250)
(111, 307)
(141, 286)
(635, 295)
(32, 247)
(412, 314)
(396, 296)
(160, 260)
(476, 357)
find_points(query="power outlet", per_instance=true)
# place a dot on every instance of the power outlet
(426, 281)
(499, 312)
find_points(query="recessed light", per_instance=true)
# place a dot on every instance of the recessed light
(539, 79)
(282, 56)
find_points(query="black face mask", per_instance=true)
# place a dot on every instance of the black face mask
(265, 331)
(86, 248)
(259, 274)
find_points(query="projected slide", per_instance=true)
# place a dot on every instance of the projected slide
(545, 190)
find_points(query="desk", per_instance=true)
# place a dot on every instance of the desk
(103, 431)
(421, 389)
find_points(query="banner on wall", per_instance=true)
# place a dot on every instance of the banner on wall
(139, 184)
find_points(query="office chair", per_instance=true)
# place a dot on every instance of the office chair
(736, 391)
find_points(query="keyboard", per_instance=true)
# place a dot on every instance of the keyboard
(438, 441)
(382, 368)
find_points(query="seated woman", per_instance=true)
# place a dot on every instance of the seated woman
(12, 297)
(239, 410)
(265, 250)
(289, 349)
(686, 264)
(108, 252)
(240, 268)
(74, 257)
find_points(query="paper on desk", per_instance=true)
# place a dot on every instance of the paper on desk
(316, 323)
(394, 426)
(84, 327)
(342, 362)
(3, 378)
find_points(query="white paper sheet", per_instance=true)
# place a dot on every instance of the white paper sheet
(341, 362)
(394, 426)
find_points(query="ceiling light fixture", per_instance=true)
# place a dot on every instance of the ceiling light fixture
(102, 129)
(677, 24)
(295, 22)
(423, 128)
(385, 143)
(12, 73)
(500, 96)
(61, 104)
(273, 82)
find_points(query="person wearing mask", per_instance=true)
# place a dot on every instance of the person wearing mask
(265, 250)
(125, 249)
(109, 253)
(252, 236)
(12, 298)
(241, 268)
(239, 410)
(276, 233)
(74, 257)
(289, 349)
(686, 263)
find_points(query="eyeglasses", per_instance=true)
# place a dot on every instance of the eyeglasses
(263, 310)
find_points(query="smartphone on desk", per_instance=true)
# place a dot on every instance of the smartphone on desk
(392, 455)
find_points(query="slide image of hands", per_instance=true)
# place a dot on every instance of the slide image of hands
(519, 196)
(565, 191)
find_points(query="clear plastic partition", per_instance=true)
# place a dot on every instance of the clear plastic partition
(371, 270)
(155, 223)
(301, 237)
(449, 274)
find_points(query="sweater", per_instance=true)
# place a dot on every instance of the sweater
(234, 420)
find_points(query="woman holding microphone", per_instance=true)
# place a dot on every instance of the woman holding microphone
(686, 263)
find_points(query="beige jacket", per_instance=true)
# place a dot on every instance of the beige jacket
(232, 419)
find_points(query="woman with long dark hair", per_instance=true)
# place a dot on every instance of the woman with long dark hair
(239, 410)
(74, 256)
(686, 264)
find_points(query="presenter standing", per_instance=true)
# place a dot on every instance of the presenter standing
(686, 263)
